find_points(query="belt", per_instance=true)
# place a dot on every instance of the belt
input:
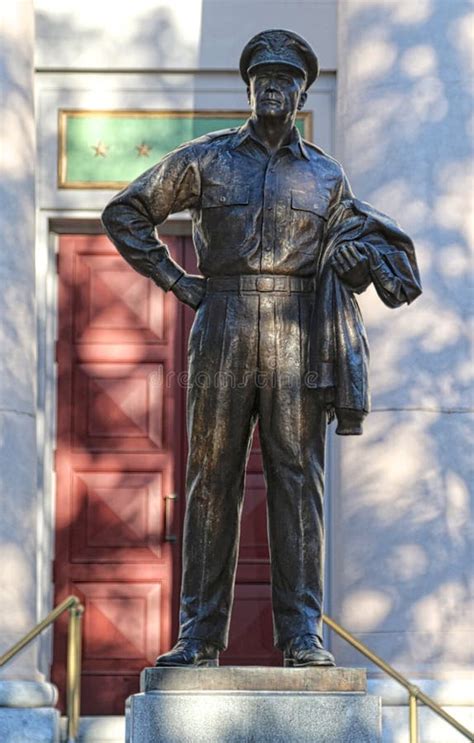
(259, 283)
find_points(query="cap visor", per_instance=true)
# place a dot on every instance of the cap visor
(278, 61)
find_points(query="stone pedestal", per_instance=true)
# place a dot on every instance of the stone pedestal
(237, 705)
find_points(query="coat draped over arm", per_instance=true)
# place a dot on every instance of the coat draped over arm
(338, 348)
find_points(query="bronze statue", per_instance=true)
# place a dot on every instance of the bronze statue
(283, 246)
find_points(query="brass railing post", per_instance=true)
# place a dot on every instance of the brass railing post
(74, 672)
(413, 717)
(76, 611)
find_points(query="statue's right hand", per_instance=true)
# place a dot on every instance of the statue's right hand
(190, 290)
(351, 264)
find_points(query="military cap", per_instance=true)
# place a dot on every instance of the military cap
(277, 46)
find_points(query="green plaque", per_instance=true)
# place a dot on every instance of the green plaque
(108, 149)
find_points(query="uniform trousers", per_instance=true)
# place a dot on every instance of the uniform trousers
(247, 360)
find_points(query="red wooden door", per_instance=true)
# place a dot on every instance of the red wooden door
(121, 449)
(119, 459)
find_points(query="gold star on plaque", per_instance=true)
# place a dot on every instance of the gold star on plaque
(143, 149)
(100, 149)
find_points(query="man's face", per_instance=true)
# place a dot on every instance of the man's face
(276, 90)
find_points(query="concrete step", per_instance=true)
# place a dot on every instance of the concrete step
(455, 694)
(432, 729)
(110, 729)
(394, 726)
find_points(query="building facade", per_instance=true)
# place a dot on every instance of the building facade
(91, 390)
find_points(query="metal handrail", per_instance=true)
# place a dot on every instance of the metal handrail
(76, 611)
(73, 686)
(415, 694)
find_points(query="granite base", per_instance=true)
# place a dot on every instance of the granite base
(291, 706)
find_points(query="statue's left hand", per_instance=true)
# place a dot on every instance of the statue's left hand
(190, 290)
(351, 265)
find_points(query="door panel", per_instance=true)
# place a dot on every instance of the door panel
(251, 636)
(115, 522)
(123, 406)
(115, 305)
(251, 630)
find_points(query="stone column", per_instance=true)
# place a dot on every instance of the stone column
(400, 548)
(18, 514)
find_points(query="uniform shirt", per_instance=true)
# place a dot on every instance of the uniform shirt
(252, 211)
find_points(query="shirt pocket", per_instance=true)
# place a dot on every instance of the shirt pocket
(225, 217)
(307, 201)
(224, 196)
(307, 220)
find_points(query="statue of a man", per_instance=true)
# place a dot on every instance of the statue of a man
(283, 246)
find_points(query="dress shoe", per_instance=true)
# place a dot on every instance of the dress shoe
(190, 652)
(306, 650)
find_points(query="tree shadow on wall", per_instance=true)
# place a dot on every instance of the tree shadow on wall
(406, 484)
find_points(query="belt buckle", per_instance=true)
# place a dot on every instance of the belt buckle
(265, 283)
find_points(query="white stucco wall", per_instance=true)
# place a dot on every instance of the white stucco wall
(172, 34)
(403, 552)
(18, 502)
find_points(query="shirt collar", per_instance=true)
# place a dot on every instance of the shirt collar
(295, 145)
